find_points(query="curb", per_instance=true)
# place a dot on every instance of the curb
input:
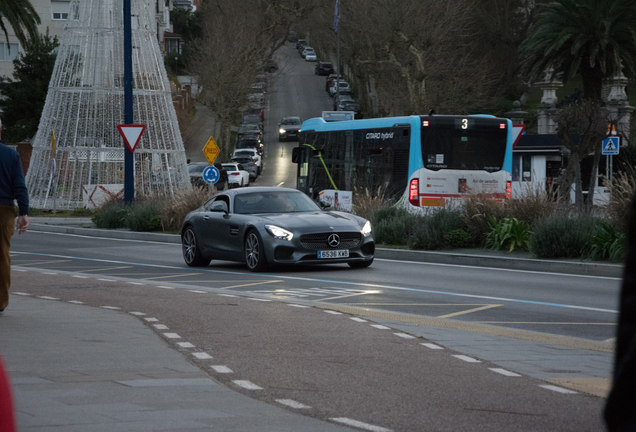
(451, 258)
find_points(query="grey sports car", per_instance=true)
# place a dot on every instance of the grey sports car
(264, 226)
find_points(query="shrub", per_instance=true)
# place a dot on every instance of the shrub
(173, 210)
(426, 236)
(143, 216)
(111, 215)
(508, 233)
(458, 238)
(622, 191)
(533, 204)
(366, 203)
(393, 225)
(476, 211)
(607, 242)
(561, 236)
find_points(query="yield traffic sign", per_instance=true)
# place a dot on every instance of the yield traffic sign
(611, 145)
(517, 131)
(131, 135)
(211, 150)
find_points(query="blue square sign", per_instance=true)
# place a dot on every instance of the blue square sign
(611, 145)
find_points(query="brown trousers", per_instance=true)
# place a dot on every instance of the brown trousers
(7, 223)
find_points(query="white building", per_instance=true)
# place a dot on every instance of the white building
(53, 15)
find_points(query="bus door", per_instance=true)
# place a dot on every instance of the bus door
(301, 155)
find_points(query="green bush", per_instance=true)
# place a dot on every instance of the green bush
(426, 236)
(607, 243)
(111, 215)
(458, 238)
(395, 226)
(143, 217)
(509, 233)
(561, 236)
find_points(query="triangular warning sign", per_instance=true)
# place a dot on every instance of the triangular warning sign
(517, 131)
(131, 135)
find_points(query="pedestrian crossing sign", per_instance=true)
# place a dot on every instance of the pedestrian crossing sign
(611, 145)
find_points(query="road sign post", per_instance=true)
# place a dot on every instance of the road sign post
(211, 150)
(610, 147)
(129, 161)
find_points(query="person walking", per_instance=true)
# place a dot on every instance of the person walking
(12, 188)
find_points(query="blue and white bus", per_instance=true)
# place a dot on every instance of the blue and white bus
(420, 161)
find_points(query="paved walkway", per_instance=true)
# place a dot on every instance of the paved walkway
(75, 368)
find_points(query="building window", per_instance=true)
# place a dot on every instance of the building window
(60, 9)
(9, 52)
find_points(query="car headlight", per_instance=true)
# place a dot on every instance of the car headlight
(279, 233)
(366, 229)
(281, 130)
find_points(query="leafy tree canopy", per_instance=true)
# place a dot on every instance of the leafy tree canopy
(24, 96)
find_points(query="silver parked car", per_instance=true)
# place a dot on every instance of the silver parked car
(263, 226)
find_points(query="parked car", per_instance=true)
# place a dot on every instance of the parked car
(301, 42)
(330, 79)
(195, 170)
(249, 165)
(289, 127)
(342, 84)
(344, 92)
(253, 119)
(255, 110)
(292, 37)
(306, 51)
(310, 56)
(250, 142)
(237, 176)
(250, 152)
(257, 97)
(352, 106)
(264, 226)
(252, 129)
(323, 68)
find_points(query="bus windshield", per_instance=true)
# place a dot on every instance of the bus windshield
(456, 143)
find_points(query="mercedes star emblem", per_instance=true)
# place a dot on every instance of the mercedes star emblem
(333, 240)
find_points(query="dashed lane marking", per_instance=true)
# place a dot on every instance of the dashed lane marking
(107, 280)
(558, 389)
(297, 305)
(76, 302)
(172, 336)
(404, 335)
(137, 313)
(359, 424)
(164, 287)
(160, 326)
(222, 369)
(466, 358)
(258, 299)
(110, 307)
(477, 309)
(198, 292)
(202, 355)
(228, 295)
(48, 298)
(379, 326)
(248, 385)
(292, 403)
(79, 277)
(504, 372)
(432, 346)
(356, 319)
(333, 312)
(21, 293)
(185, 344)
(151, 319)
(135, 283)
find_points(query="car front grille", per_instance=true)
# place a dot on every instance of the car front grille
(320, 241)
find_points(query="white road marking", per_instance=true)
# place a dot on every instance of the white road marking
(378, 326)
(107, 280)
(197, 292)
(137, 313)
(222, 369)
(20, 293)
(466, 358)
(75, 302)
(202, 355)
(248, 385)
(48, 298)
(172, 336)
(257, 299)
(333, 312)
(558, 389)
(49, 273)
(356, 319)
(297, 305)
(80, 277)
(164, 287)
(185, 344)
(160, 326)
(359, 424)
(404, 335)
(227, 295)
(432, 346)
(292, 403)
(504, 372)
(18, 270)
(151, 319)
(135, 283)
(110, 307)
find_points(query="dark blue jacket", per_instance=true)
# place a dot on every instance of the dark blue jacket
(12, 180)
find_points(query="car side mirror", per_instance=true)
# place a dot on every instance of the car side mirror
(324, 206)
(296, 155)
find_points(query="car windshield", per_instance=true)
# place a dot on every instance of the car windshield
(291, 121)
(230, 168)
(249, 127)
(273, 202)
(244, 154)
(194, 169)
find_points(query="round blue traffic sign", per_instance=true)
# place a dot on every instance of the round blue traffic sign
(211, 174)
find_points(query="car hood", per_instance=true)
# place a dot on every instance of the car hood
(314, 222)
(290, 127)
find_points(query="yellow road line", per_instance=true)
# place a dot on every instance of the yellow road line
(470, 311)
(250, 284)
(610, 340)
(101, 269)
(40, 262)
(546, 323)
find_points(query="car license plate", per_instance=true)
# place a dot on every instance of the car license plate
(334, 254)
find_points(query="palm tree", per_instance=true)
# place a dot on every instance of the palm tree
(590, 38)
(22, 17)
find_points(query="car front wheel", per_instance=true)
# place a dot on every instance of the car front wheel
(191, 253)
(254, 254)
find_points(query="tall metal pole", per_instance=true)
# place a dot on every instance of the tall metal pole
(129, 161)
(337, 21)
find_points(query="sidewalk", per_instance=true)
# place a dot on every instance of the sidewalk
(79, 368)
(517, 260)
